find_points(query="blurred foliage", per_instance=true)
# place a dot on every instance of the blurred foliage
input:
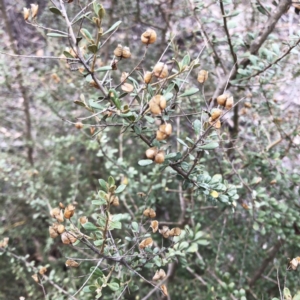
(238, 207)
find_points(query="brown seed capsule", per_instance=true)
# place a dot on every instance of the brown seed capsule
(147, 77)
(148, 37)
(162, 102)
(35, 278)
(34, 10)
(160, 157)
(160, 70)
(164, 289)
(215, 114)
(167, 129)
(215, 123)
(124, 76)
(115, 201)
(4, 242)
(151, 152)
(60, 228)
(175, 231)
(70, 263)
(160, 136)
(150, 213)
(161, 274)
(148, 242)
(53, 233)
(42, 270)
(78, 125)
(229, 103)
(83, 220)
(126, 52)
(202, 76)
(222, 99)
(247, 104)
(164, 231)
(154, 108)
(26, 13)
(118, 51)
(68, 238)
(61, 205)
(154, 226)
(69, 211)
(127, 87)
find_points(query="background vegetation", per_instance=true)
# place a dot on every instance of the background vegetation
(233, 191)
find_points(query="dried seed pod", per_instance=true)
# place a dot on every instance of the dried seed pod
(60, 228)
(68, 238)
(127, 87)
(35, 278)
(115, 201)
(150, 213)
(274, 181)
(4, 242)
(118, 51)
(124, 76)
(54, 212)
(175, 231)
(294, 264)
(154, 226)
(61, 205)
(70, 263)
(42, 270)
(148, 37)
(160, 136)
(164, 289)
(229, 103)
(202, 76)
(53, 233)
(34, 10)
(83, 220)
(156, 276)
(147, 77)
(215, 114)
(162, 274)
(148, 242)
(26, 13)
(222, 99)
(78, 125)
(162, 102)
(69, 211)
(247, 104)
(126, 52)
(160, 70)
(151, 152)
(164, 231)
(166, 128)
(154, 108)
(216, 123)
(160, 157)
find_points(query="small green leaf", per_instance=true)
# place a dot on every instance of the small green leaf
(90, 226)
(111, 181)
(113, 27)
(87, 34)
(209, 146)
(114, 286)
(197, 126)
(203, 242)
(120, 189)
(135, 226)
(55, 10)
(182, 142)
(193, 248)
(98, 202)
(104, 69)
(186, 60)
(189, 92)
(103, 184)
(53, 34)
(145, 162)
(93, 48)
